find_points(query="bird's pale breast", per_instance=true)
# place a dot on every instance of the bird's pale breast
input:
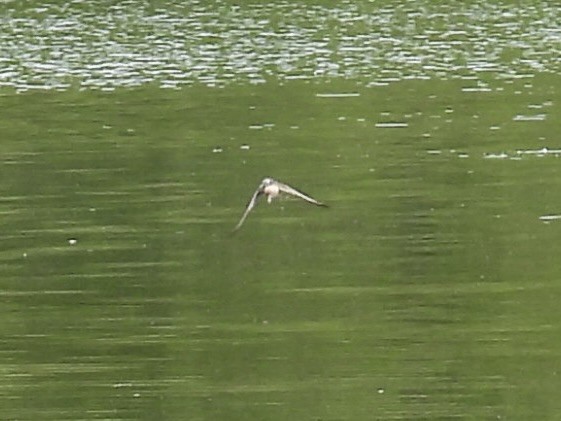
(272, 190)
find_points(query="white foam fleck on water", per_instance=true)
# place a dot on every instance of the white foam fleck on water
(338, 95)
(392, 125)
(547, 218)
(535, 117)
(500, 155)
(542, 151)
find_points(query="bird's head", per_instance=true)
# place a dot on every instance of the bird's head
(267, 182)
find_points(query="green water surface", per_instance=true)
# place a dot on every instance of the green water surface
(429, 289)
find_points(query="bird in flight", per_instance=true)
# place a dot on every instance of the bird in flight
(272, 188)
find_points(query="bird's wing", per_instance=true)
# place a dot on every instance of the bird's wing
(293, 192)
(250, 206)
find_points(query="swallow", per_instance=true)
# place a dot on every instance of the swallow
(273, 188)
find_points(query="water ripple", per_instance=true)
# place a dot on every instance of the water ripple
(128, 44)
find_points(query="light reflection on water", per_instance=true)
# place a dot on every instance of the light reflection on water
(94, 45)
